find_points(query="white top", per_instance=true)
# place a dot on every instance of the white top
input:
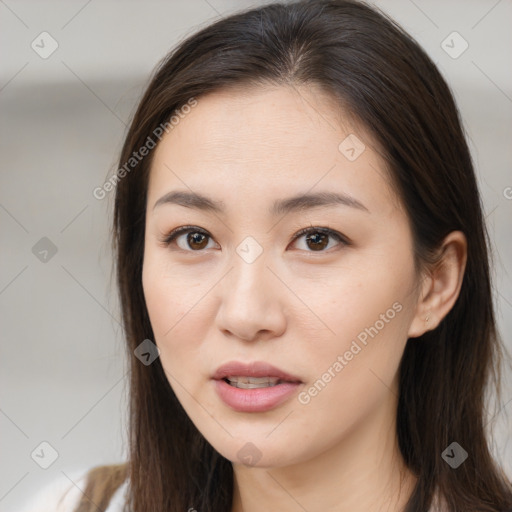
(63, 496)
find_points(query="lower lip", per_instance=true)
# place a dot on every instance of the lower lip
(255, 400)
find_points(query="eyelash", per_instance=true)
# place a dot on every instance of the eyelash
(170, 237)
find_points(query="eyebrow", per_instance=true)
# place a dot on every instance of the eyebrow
(280, 206)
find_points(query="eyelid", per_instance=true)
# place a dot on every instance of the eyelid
(170, 237)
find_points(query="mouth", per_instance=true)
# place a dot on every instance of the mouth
(256, 374)
(253, 382)
(254, 387)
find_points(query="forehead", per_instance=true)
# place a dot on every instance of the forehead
(241, 123)
(264, 140)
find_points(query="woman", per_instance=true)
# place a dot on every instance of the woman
(303, 271)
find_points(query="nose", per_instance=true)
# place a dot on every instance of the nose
(251, 301)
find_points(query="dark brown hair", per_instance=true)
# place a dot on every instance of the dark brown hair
(383, 78)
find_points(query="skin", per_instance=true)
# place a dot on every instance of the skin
(294, 307)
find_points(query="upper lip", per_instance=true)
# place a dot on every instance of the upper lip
(252, 369)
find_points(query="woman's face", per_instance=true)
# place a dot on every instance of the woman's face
(331, 308)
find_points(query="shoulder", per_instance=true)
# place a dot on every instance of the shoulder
(61, 494)
(101, 486)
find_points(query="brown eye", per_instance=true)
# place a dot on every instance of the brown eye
(318, 239)
(195, 240)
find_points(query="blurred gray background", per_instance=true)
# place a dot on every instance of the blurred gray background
(63, 116)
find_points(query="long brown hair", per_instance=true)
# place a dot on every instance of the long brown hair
(383, 78)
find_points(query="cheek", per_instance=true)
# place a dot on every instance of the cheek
(181, 315)
(362, 311)
(171, 313)
(173, 307)
(168, 294)
(351, 371)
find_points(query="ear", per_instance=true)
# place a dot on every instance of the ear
(441, 286)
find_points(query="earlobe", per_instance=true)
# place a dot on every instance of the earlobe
(441, 287)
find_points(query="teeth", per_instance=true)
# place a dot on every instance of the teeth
(253, 382)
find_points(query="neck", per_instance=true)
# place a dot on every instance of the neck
(363, 472)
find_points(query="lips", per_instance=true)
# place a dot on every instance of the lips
(254, 387)
(239, 370)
